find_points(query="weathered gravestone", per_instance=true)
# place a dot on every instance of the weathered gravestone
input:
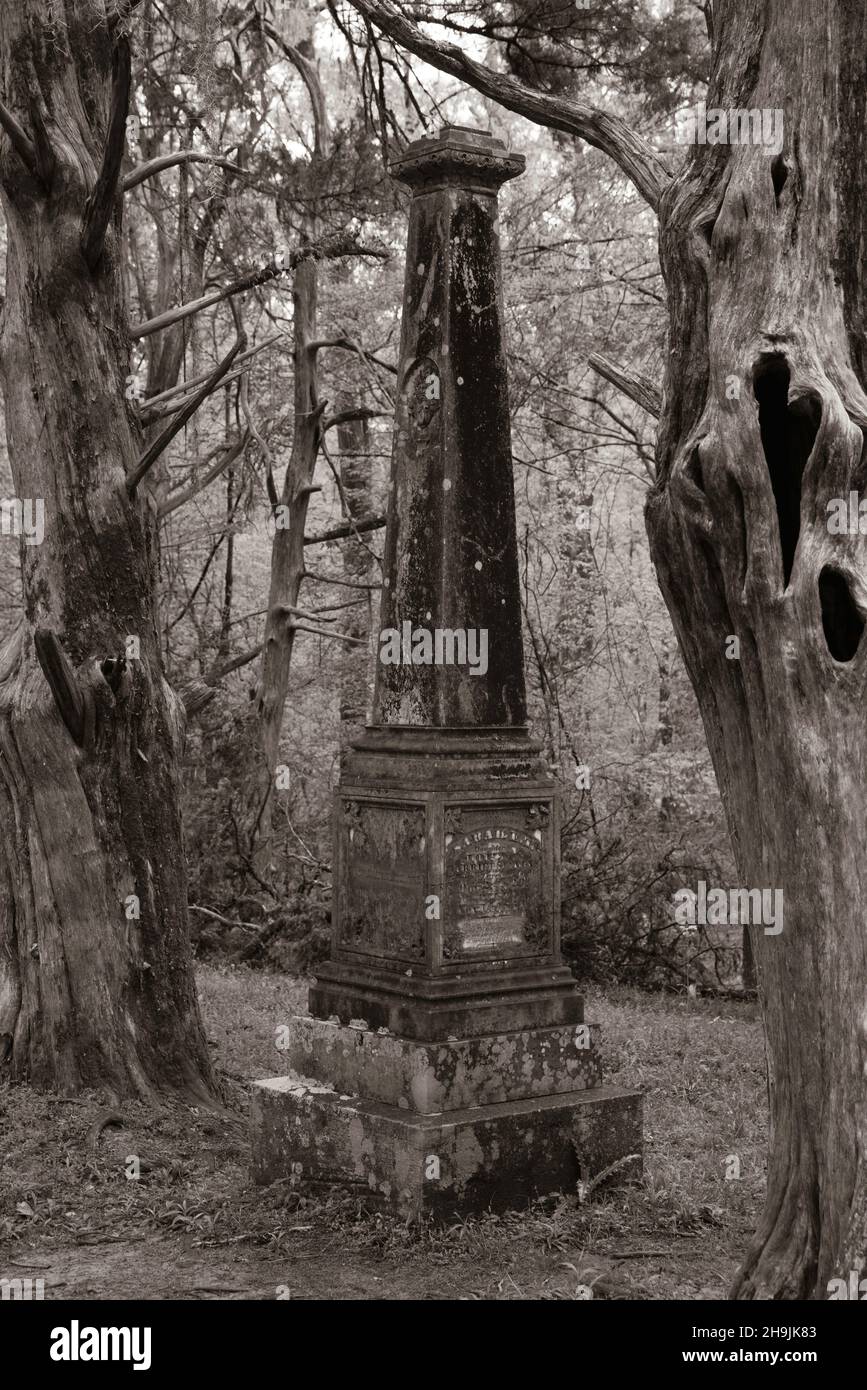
(446, 1065)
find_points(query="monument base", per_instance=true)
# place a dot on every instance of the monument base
(429, 1008)
(389, 1117)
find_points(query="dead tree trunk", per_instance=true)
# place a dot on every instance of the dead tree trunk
(96, 981)
(356, 689)
(287, 553)
(762, 426)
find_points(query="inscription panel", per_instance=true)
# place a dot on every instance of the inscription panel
(495, 900)
(382, 902)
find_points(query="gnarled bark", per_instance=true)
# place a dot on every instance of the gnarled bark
(96, 983)
(763, 419)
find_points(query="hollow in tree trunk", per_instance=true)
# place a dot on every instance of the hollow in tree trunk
(764, 411)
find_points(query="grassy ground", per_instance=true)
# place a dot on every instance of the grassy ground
(193, 1226)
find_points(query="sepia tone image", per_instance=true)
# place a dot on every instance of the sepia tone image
(433, 759)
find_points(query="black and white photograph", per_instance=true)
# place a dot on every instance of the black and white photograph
(433, 674)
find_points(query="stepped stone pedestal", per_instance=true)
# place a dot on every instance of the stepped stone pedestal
(446, 1066)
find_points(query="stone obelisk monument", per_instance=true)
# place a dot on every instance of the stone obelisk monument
(446, 1065)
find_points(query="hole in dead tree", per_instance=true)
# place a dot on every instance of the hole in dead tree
(788, 435)
(706, 230)
(779, 174)
(841, 620)
(694, 470)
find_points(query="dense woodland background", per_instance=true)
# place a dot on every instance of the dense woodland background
(306, 104)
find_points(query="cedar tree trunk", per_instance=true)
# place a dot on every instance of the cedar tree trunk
(90, 992)
(763, 419)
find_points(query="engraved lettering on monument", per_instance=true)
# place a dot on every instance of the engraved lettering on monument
(492, 883)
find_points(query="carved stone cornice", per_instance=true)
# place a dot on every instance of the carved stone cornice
(461, 156)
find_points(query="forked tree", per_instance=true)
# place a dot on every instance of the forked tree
(761, 425)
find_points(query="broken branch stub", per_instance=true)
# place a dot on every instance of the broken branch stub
(72, 703)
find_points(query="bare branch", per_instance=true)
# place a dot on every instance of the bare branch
(163, 440)
(343, 417)
(707, 9)
(195, 306)
(350, 346)
(636, 387)
(199, 693)
(323, 632)
(156, 407)
(168, 161)
(308, 616)
(608, 133)
(310, 77)
(71, 703)
(331, 247)
(333, 579)
(244, 403)
(219, 673)
(100, 204)
(21, 142)
(249, 926)
(178, 499)
(351, 528)
(335, 245)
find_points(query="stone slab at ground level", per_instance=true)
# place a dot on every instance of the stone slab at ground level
(492, 1156)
